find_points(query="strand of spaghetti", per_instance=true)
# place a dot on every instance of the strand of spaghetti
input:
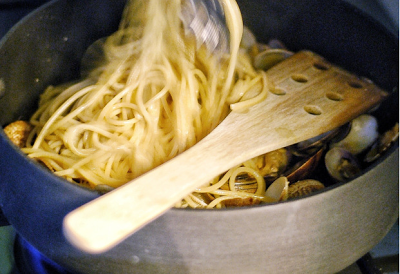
(125, 122)
(216, 186)
(114, 100)
(44, 154)
(235, 26)
(240, 106)
(67, 93)
(49, 102)
(242, 194)
(194, 202)
(50, 122)
(253, 173)
(79, 164)
(118, 165)
(244, 66)
(51, 164)
(94, 179)
(193, 86)
(55, 145)
(72, 133)
(218, 201)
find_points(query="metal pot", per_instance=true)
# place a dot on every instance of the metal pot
(321, 233)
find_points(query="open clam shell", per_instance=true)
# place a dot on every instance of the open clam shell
(363, 133)
(278, 190)
(382, 144)
(270, 57)
(305, 167)
(304, 187)
(341, 164)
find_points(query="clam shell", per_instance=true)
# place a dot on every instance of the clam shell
(278, 190)
(103, 189)
(272, 164)
(311, 146)
(363, 133)
(382, 144)
(304, 168)
(304, 187)
(240, 202)
(248, 39)
(18, 132)
(341, 164)
(270, 57)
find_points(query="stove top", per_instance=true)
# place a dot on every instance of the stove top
(29, 260)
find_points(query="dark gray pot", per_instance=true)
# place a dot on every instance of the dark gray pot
(323, 233)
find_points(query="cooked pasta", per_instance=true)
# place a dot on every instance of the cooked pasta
(152, 95)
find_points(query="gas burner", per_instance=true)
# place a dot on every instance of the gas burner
(29, 260)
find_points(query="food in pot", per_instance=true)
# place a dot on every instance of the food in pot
(18, 132)
(304, 187)
(149, 93)
(341, 164)
(383, 143)
(363, 133)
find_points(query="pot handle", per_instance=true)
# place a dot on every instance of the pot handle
(3, 220)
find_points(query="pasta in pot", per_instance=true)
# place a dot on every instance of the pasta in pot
(154, 95)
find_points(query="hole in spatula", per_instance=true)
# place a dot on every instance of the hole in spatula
(355, 84)
(334, 96)
(2, 88)
(277, 91)
(300, 78)
(313, 110)
(321, 66)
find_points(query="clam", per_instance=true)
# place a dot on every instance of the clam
(272, 44)
(383, 143)
(304, 167)
(341, 164)
(271, 165)
(196, 200)
(103, 189)
(304, 187)
(278, 190)
(18, 132)
(240, 202)
(249, 41)
(276, 44)
(307, 154)
(363, 133)
(270, 57)
(313, 145)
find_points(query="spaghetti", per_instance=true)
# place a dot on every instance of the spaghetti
(151, 96)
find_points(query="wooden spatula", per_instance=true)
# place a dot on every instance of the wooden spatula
(310, 97)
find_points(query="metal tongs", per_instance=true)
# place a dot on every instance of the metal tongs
(205, 19)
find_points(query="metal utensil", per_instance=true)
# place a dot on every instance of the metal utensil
(205, 19)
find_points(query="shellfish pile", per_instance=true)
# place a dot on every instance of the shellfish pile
(333, 157)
